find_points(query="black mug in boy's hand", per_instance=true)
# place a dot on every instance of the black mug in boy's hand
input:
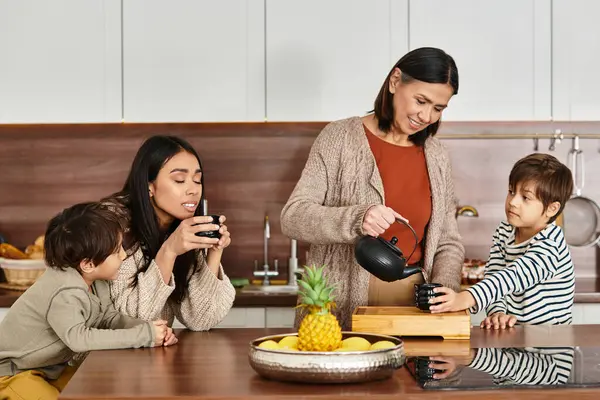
(212, 234)
(423, 293)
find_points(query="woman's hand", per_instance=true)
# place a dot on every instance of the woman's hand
(378, 219)
(498, 320)
(451, 301)
(225, 239)
(184, 238)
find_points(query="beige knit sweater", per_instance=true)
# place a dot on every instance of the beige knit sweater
(209, 299)
(340, 181)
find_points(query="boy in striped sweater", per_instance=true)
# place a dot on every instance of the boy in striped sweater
(529, 277)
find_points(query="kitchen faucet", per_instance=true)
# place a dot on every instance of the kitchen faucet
(266, 273)
(293, 266)
(466, 211)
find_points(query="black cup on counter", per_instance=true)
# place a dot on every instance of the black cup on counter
(211, 234)
(423, 372)
(423, 293)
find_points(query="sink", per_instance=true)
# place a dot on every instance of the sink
(270, 289)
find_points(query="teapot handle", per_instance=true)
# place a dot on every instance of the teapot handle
(414, 234)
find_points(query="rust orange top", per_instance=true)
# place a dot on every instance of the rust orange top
(405, 179)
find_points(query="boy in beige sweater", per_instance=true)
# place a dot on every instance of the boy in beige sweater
(68, 310)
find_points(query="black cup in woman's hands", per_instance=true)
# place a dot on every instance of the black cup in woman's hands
(424, 293)
(224, 235)
(184, 238)
(215, 221)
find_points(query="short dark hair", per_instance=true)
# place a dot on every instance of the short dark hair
(552, 179)
(426, 64)
(86, 231)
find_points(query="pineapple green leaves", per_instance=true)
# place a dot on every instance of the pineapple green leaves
(314, 290)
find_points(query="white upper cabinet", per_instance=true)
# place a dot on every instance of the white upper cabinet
(193, 60)
(576, 60)
(327, 60)
(60, 61)
(503, 52)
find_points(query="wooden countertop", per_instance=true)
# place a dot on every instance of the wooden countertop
(214, 365)
(8, 297)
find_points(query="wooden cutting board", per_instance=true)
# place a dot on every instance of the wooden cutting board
(410, 321)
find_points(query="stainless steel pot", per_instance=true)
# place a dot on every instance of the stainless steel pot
(581, 214)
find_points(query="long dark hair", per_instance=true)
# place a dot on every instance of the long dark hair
(426, 64)
(144, 230)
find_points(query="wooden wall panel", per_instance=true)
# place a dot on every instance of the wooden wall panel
(251, 170)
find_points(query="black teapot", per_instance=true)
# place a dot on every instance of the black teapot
(383, 259)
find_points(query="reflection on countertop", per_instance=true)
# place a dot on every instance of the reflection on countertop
(489, 368)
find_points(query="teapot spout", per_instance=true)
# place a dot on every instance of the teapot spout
(408, 271)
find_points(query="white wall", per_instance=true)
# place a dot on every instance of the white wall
(251, 60)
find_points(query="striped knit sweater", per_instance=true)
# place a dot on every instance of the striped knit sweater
(533, 280)
(530, 366)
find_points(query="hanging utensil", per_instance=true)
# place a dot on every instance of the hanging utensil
(581, 214)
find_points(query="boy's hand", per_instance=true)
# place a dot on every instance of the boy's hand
(450, 301)
(170, 338)
(447, 366)
(160, 332)
(498, 321)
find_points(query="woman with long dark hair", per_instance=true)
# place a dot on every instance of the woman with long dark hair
(365, 172)
(169, 270)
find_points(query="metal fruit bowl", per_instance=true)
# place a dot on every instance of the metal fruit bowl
(327, 367)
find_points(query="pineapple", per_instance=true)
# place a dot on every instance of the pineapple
(319, 330)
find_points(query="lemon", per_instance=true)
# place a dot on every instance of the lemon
(269, 344)
(289, 349)
(356, 343)
(382, 344)
(289, 342)
(342, 349)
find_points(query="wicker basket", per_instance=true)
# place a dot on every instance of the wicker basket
(22, 272)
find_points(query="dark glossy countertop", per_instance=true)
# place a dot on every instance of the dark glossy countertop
(214, 365)
(587, 290)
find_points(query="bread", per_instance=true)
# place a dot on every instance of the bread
(39, 242)
(10, 251)
(34, 252)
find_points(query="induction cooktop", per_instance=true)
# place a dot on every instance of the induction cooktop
(492, 368)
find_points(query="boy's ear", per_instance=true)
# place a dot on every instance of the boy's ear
(86, 266)
(552, 209)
